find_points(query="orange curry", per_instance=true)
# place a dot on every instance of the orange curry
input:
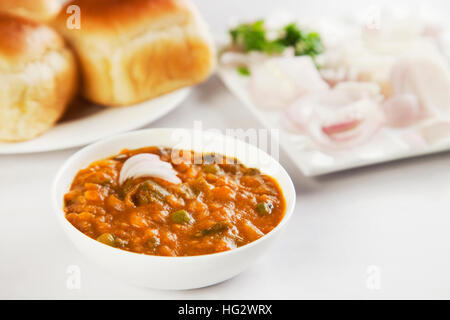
(219, 206)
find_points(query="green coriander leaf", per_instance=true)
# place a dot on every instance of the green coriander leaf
(252, 37)
(243, 71)
(274, 47)
(291, 35)
(311, 45)
(249, 36)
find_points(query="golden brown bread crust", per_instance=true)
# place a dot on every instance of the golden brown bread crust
(23, 41)
(38, 78)
(119, 17)
(39, 10)
(134, 50)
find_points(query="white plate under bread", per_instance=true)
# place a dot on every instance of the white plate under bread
(88, 123)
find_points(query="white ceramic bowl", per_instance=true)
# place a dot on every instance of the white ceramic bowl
(175, 273)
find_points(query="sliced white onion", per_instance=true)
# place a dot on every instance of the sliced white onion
(424, 72)
(402, 110)
(148, 165)
(137, 159)
(280, 80)
(343, 117)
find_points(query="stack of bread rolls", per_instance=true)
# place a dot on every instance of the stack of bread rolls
(122, 52)
(38, 78)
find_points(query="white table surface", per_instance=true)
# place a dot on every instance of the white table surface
(389, 222)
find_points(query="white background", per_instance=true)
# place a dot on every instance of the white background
(395, 216)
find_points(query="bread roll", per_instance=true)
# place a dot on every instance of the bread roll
(134, 50)
(38, 77)
(39, 10)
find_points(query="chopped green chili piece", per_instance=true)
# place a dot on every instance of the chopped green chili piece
(181, 217)
(217, 228)
(148, 192)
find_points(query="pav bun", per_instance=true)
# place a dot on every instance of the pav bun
(134, 50)
(38, 78)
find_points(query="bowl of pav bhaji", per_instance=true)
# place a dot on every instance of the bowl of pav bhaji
(173, 208)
